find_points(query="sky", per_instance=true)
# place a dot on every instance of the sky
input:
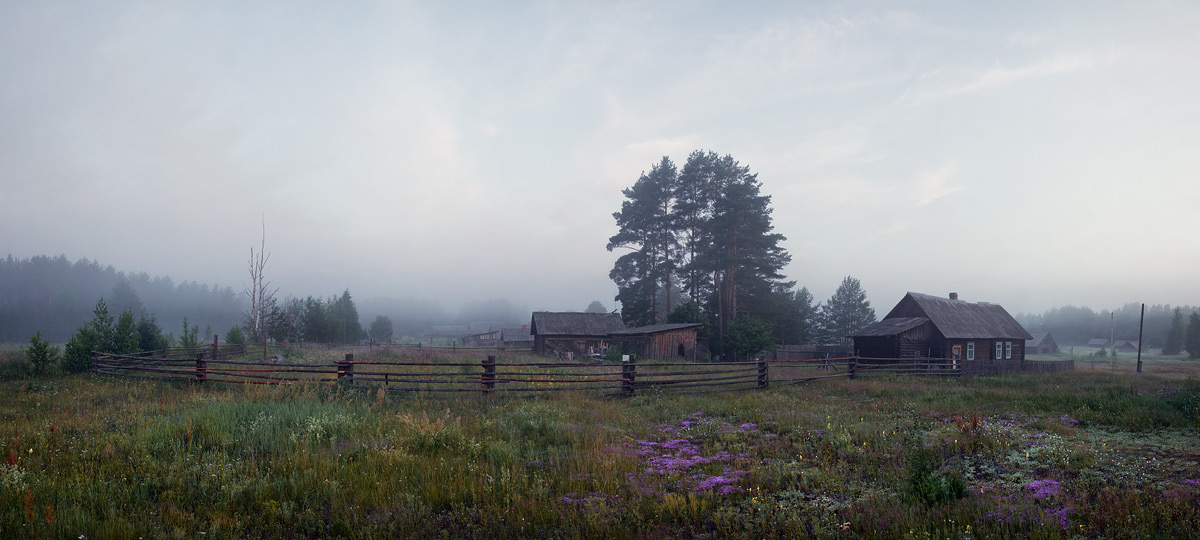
(1032, 154)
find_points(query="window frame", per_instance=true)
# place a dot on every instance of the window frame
(999, 350)
(970, 350)
(1008, 350)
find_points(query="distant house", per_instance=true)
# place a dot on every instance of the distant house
(948, 331)
(1098, 342)
(573, 332)
(482, 339)
(1042, 343)
(516, 337)
(1125, 346)
(660, 341)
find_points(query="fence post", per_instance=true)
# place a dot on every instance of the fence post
(853, 365)
(95, 357)
(215, 338)
(628, 374)
(762, 373)
(345, 368)
(201, 368)
(489, 374)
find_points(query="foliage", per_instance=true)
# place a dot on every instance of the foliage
(795, 316)
(40, 355)
(95, 334)
(125, 336)
(1192, 340)
(314, 320)
(596, 307)
(846, 312)
(55, 296)
(748, 335)
(1078, 325)
(929, 485)
(1057, 456)
(234, 336)
(1174, 343)
(150, 335)
(381, 329)
(707, 228)
(189, 336)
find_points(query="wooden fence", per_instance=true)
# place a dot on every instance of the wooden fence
(490, 376)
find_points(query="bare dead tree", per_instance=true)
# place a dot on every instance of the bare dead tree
(259, 291)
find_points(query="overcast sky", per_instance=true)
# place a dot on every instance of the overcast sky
(1031, 154)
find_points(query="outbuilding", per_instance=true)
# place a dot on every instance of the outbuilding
(660, 341)
(573, 333)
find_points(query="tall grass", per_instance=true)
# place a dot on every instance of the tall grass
(1051, 456)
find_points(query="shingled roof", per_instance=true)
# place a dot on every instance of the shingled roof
(654, 329)
(891, 327)
(958, 319)
(549, 323)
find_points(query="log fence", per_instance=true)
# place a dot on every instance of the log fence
(497, 375)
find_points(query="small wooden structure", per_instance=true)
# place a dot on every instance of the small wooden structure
(660, 341)
(1125, 346)
(1098, 343)
(1042, 343)
(482, 339)
(516, 337)
(573, 332)
(946, 331)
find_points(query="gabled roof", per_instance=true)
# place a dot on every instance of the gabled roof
(1037, 339)
(958, 319)
(654, 329)
(549, 323)
(1098, 342)
(891, 327)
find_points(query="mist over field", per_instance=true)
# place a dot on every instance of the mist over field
(448, 163)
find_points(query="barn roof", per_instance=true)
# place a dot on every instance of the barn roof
(1098, 342)
(573, 323)
(654, 329)
(891, 327)
(958, 319)
(1037, 339)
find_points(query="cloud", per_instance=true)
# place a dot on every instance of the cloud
(945, 83)
(933, 185)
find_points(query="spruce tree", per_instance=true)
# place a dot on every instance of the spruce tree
(846, 312)
(1174, 343)
(644, 228)
(1192, 341)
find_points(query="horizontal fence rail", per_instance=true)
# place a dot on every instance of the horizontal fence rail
(216, 363)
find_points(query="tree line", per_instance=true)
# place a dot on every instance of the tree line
(702, 248)
(54, 296)
(1072, 325)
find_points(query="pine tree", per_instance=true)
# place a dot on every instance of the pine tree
(1174, 343)
(1192, 341)
(644, 227)
(846, 312)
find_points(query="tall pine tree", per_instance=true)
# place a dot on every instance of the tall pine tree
(644, 228)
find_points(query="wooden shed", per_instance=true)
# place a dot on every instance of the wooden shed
(1042, 343)
(575, 333)
(948, 331)
(661, 341)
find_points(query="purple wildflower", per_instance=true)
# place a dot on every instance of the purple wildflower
(1068, 420)
(1043, 488)
(748, 427)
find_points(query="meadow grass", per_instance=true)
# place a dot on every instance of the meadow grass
(1076, 454)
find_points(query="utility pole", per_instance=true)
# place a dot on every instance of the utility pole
(1141, 322)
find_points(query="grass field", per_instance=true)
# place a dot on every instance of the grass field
(1081, 454)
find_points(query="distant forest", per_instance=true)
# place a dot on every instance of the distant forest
(1072, 325)
(56, 296)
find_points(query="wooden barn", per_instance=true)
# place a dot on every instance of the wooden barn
(1125, 346)
(947, 331)
(516, 337)
(660, 341)
(573, 332)
(1042, 343)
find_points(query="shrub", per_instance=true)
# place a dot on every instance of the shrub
(235, 336)
(40, 354)
(77, 355)
(930, 487)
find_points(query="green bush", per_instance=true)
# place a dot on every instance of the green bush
(235, 336)
(40, 354)
(930, 486)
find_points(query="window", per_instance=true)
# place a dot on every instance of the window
(1008, 349)
(999, 350)
(970, 350)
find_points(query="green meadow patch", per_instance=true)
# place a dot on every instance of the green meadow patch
(1071, 455)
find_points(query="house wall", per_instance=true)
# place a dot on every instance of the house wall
(663, 345)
